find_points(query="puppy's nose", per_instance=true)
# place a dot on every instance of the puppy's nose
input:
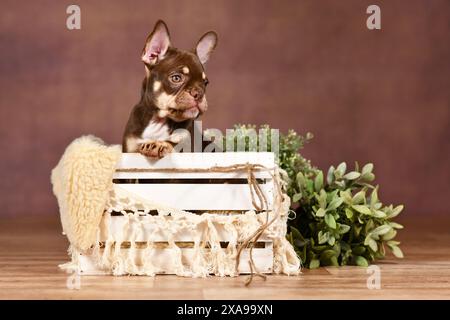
(196, 93)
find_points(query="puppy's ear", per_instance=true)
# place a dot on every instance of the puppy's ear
(157, 44)
(206, 45)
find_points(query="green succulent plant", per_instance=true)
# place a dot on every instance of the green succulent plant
(339, 218)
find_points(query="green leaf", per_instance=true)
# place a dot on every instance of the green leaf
(320, 213)
(379, 214)
(341, 168)
(340, 184)
(381, 230)
(390, 235)
(331, 240)
(377, 205)
(369, 241)
(327, 254)
(343, 228)
(310, 186)
(361, 261)
(368, 177)
(296, 234)
(374, 197)
(362, 209)
(296, 197)
(357, 230)
(359, 250)
(356, 166)
(372, 244)
(359, 197)
(337, 249)
(318, 181)
(345, 246)
(320, 248)
(396, 251)
(331, 195)
(290, 238)
(346, 195)
(382, 251)
(353, 175)
(335, 203)
(314, 263)
(348, 213)
(303, 256)
(329, 220)
(395, 212)
(322, 198)
(301, 182)
(334, 262)
(369, 226)
(330, 175)
(395, 225)
(323, 237)
(299, 243)
(368, 168)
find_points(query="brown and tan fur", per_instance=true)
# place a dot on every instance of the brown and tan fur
(172, 95)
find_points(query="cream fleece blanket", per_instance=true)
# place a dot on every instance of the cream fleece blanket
(81, 182)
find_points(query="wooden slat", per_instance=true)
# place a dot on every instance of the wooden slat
(139, 163)
(199, 196)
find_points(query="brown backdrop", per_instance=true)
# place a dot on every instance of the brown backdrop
(380, 96)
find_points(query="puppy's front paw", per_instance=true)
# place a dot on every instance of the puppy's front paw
(155, 149)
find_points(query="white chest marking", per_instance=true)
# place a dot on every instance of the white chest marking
(156, 130)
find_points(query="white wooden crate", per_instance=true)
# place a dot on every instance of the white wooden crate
(212, 192)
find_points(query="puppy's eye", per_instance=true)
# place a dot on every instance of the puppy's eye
(206, 82)
(176, 78)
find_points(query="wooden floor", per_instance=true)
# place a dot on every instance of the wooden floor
(31, 249)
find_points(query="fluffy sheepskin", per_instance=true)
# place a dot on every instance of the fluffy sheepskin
(81, 183)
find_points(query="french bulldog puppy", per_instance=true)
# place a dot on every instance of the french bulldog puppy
(172, 95)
